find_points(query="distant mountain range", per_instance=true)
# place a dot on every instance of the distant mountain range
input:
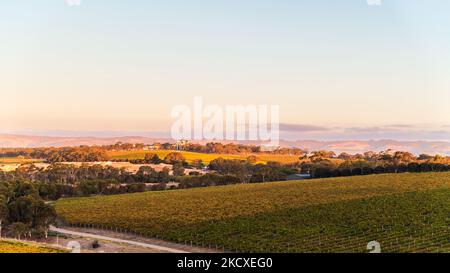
(28, 141)
(350, 146)
(360, 146)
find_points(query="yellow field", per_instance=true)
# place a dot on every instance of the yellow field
(16, 247)
(17, 160)
(206, 158)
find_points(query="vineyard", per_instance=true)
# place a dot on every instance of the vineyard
(403, 212)
(206, 158)
(410, 222)
(16, 247)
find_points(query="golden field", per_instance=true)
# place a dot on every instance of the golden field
(18, 160)
(206, 158)
(19, 247)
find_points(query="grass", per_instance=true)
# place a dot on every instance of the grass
(324, 215)
(19, 247)
(206, 158)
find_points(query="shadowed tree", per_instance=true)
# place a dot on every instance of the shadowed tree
(174, 158)
(3, 212)
(178, 169)
(44, 216)
(18, 229)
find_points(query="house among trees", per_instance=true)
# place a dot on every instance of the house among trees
(269, 148)
(181, 144)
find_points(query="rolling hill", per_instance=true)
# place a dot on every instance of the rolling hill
(404, 212)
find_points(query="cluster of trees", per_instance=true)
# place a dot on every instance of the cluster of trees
(68, 154)
(99, 153)
(326, 170)
(149, 158)
(232, 171)
(251, 173)
(231, 148)
(52, 155)
(388, 156)
(54, 191)
(209, 179)
(22, 210)
(176, 159)
(76, 154)
(120, 146)
(43, 153)
(15, 152)
(326, 164)
(65, 180)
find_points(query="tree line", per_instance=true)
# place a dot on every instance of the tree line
(324, 164)
(67, 180)
(99, 153)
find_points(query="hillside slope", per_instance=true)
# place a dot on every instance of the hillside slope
(282, 216)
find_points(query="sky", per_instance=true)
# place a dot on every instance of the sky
(337, 69)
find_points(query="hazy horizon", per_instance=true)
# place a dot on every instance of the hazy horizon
(285, 136)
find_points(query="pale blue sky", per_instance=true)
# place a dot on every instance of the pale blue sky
(115, 65)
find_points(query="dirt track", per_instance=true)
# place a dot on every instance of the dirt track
(124, 243)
